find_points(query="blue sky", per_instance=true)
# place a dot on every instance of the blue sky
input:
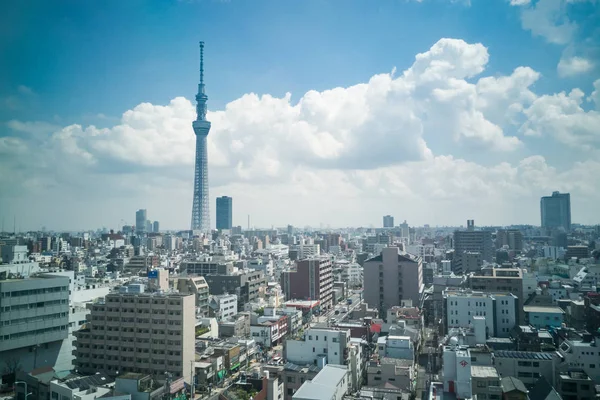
(86, 63)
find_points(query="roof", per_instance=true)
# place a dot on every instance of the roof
(331, 374)
(315, 391)
(301, 368)
(480, 371)
(543, 309)
(523, 355)
(401, 258)
(543, 390)
(510, 384)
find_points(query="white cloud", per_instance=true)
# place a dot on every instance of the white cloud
(549, 19)
(362, 148)
(573, 66)
(595, 96)
(519, 2)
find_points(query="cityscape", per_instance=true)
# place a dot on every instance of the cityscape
(304, 303)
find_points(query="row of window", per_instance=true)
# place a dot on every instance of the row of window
(33, 292)
(27, 320)
(96, 367)
(35, 332)
(142, 300)
(31, 306)
(137, 340)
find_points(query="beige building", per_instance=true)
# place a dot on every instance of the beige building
(501, 280)
(197, 286)
(148, 333)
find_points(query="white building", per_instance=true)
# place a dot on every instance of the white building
(319, 346)
(583, 354)
(82, 388)
(500, 310)
(307, 250)
(400, 347)
(457, 370)
(223, 306)
(331, 383)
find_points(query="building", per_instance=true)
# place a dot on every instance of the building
(499, 309)
(575, 385)
(513, 389)
(485, 382)
(83, 388)
(294, 376)
(556, 211)
(224, 213)
(331, 383)
(155, 227)
(391, 277)
(34, 324)
(390, 371)
(578, 252)
(528, 366)
(311, 280)
(200, 206)
(388, 221)
(472, 240)
(501, 280)
(399, 347)
(456, 371)
(318, 347)
(582, 355)
(238, 326)
(204, 268)
(197, 286)
(140, 221)
(245, 285)
(149, 333)
(223, 306)
(512, 238)
(542, 317)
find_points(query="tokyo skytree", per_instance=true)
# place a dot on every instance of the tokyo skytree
(200, 208)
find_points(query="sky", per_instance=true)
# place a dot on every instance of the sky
(324, 112)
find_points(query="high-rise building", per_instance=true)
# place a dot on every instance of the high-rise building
(496, 280)
(391, 277)
(152, 333)
(311, 280)
(388, 221)
(472, 241)
(155, 227)
(200, 206)
(140, 221)
(224, 212)
(556, 211)
(149, 226)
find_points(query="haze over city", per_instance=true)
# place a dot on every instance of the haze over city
(322, 113)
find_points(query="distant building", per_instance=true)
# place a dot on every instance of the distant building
(224, 212)
(501, 280)
(140, 221)
(246, 285)
(311, 280)
(197, 286)
(391, 277)
(155, 227)
(472, 241)
(223, 307)
(513, 238)
(556, 211)
(388, 221)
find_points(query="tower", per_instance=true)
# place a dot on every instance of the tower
(200, 214)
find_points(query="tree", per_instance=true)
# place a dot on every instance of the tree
(11, 366)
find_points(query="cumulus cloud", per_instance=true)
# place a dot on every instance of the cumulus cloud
(573, 66)
(357, 146)
(548, 19)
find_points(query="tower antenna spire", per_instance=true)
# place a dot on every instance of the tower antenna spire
(202, 63)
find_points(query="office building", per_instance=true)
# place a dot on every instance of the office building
(140, 221)
(556, 211)
(200, 206)
(34, 323)
(472, 240)
(224, 212)
(512, 238)
(312, 279)
(318, 347)
(197, 286)
(391, 277)
(149, 333)
(207, 268)
(528, 366)
(155, 227)
(388, 221)
(223, 307)
(246, 285)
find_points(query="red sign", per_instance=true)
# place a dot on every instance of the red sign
(464, 363)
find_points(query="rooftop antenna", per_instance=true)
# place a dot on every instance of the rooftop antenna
(202, 64)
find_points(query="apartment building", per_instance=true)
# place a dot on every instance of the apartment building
(499, 310)
(204, 268)
(528, 366)
(391, 277)
(294, 376)
(472, 240)
(331, 383)
(148, 333)
(197, 286)
(318, 347)
(501, 280)
(246, 285)
(311, 280)
(34, 322)
(223, 307)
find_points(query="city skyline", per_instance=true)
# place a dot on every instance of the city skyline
(457, 119)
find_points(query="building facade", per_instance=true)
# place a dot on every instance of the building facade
(311, 280)
(555, 211)
(224, 212)
(140, 221)
(388, 221)
(392, 277)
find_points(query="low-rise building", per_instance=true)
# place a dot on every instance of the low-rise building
(528, 366)
(294, 376)
(223, 307)
(575, 385)
(544, 316)
(331, 383)
(318, 347)
(390, 371)
(197, 286)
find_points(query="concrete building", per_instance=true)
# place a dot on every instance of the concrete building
(223, 307)
(556, 211)
(238, 326)
(499, 309)
(501, 280)
(575, 385)
(472, 240)
(303, 251)
(318, 347)
(150, 333)
(512, 238)
(456, 371)
(400, 347)
(391, 277)
(528, 366)
(542, 317)
(388, 221)
(331, 383)
(582, 355)
(391, 371)
(83, 388)
(197, 286)
(140, 221)
(311, 280)
(294, 376)
(224, 213)
(204, 268)
(156, 227)
(34, 323)
(485, 382)
(246, 285)
(158, 279)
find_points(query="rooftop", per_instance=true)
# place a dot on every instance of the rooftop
(543, 309)
(510, 384)
(480, 371)
(523, 355)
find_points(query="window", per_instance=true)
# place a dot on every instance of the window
(290, 391)
(291, 379)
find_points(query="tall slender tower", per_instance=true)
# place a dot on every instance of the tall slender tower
(200, 214)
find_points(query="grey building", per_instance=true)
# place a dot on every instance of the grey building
(556, 211)
(155, 227)
(388, 221)
(472, 241)
(392, 277)
(245, 285)
(34, 323)
(207, 268)
(140, 221)
(224, 212)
